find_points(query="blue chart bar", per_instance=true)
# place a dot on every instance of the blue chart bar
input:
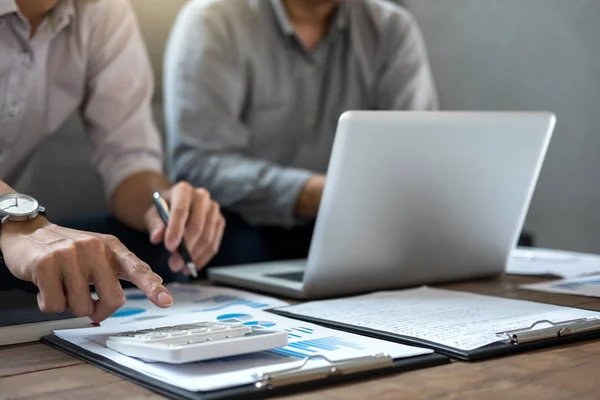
(296, 336)
(303, 330)
(284, 352)
(328, 343)
(306, 329)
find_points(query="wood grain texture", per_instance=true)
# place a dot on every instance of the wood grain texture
(16, 360)
(565, 372)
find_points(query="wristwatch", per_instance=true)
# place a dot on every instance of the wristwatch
(18, 207)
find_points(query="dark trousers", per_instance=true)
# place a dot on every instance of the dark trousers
(246, 244)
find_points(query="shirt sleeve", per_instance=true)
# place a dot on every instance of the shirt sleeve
(205, 89)
(117, 105)
(406, 81)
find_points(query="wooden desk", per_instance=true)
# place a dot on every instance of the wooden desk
(565, 372)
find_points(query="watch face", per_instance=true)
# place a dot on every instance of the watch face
(18, 205)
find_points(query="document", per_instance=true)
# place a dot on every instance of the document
(187, 299)
(304, 340)
(460, 320)
(563, 264)
(588, 286)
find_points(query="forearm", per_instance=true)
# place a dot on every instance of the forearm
(309, 200)
(262, 192)
(4, 188)
(133, 197)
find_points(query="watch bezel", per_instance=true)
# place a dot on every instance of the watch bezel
(22, 216)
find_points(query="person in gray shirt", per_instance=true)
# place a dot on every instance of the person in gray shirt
(253, 93)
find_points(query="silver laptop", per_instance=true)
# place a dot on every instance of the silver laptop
(413, 198)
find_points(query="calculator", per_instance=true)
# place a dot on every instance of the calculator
(200, 341)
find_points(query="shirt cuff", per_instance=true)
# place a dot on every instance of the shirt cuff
(288, 185)
(114, 174)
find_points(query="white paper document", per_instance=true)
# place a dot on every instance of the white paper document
(460, 320)
(304, 340)
(588, 286)
(564, 264)
(187, 299)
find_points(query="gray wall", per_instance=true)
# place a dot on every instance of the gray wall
(530, 55)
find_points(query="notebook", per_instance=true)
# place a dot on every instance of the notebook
(462, 325)
(21, 321)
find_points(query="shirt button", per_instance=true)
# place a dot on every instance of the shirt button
(25, 57)
(309, 121)
(13, 110)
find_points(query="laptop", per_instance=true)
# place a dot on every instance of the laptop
(413, 198)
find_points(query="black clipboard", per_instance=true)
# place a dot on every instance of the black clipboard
(267, 385)
(509, 342)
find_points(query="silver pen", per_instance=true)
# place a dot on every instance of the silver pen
(163, 210)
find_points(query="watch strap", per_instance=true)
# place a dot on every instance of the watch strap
(1, 255)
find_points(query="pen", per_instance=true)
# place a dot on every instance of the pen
(163, 210)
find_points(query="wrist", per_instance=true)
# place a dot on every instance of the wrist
(12, 228)
(309, 200)
(5, 189)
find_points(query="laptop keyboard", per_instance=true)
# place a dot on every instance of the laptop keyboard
(290, 276)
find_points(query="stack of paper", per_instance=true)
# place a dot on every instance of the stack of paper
(588, 286)
(563, 264)
(463, 321)
(304, 340)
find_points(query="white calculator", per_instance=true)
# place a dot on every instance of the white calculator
(195, 342)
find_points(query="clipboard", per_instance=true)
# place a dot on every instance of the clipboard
(268, 383)
(509, 342)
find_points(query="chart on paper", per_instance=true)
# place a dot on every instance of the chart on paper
(187, 299)
(302, 339)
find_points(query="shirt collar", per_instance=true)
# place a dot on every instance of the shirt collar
(8, 7)
(64, 10)
(341, 18)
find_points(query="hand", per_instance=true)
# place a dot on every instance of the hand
(309, 200)
(195, 218)
(63, 262)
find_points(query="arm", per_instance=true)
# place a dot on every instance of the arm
(309, 199)
(406, 81)
(118, 115)
(205, 90)
(62, 263)
(4, 188)
(128, 152)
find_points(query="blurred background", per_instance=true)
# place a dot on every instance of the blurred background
(486, 55)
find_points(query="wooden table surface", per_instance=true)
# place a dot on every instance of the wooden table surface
(564, 372)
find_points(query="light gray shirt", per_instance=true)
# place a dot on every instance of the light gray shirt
(252, 114)
(87, 56)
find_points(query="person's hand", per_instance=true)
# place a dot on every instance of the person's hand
(195, 218)
(63, 262)
(309, 199)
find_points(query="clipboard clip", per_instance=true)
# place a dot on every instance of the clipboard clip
(297, 374)
(556, 329)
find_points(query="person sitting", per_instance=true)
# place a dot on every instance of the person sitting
(253, 93)
(57, 57)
